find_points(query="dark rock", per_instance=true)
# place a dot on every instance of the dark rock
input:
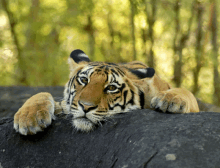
(12, 98)
(141, 138)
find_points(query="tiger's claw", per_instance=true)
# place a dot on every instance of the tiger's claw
(169, 102)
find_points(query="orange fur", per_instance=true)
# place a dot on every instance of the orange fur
(35, 114)
(91, 96)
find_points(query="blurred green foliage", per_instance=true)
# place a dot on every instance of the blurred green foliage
(36, 37)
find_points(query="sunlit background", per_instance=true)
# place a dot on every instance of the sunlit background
(179, 38)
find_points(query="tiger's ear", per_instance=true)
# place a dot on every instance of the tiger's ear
(143, 72)
(77, 57)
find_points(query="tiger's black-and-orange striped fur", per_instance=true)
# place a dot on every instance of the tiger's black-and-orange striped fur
(97, 90)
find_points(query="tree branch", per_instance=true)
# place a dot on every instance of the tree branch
(12, 22)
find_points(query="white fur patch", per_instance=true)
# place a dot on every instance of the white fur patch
(160, 103)
(16, 127)
(142, 70)
(23, 131)
(36, 129)
(83, 55)
(83, 124)
(131, 107)
(118, 109)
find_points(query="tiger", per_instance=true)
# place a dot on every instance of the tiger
(96, 91)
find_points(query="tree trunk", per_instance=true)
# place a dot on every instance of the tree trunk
(32, 47)
(22, 76)
(111, 52)
(175, 40)
(111, 31)
(91, 38)
(132, 5)
(198, 53)
(214, 29)
(179, 45)
(144, 40)
(90, 30)
(151, 33)
(151, 17)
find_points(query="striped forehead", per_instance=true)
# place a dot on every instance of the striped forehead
(86, 71)
(114, 78)
(113, 72)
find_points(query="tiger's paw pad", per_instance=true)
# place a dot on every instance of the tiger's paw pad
(168, 102)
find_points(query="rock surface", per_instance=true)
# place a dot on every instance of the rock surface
(12, 98)
(141, 138)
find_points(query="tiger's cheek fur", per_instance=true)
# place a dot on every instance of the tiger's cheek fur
(125, 100)
(137, 95)
(96, 96)
(113, 99)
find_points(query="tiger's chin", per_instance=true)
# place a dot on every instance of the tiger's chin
(83, 124)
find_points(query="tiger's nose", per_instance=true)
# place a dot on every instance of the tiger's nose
(87, 106)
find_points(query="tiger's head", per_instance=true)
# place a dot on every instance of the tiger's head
(98, 90)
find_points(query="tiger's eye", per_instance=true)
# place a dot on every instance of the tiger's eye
(84, 80)
(112, 87)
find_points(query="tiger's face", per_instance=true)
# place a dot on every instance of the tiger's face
(97, 90)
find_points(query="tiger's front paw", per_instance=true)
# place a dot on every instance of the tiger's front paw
(170, 102)
(35, 115)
